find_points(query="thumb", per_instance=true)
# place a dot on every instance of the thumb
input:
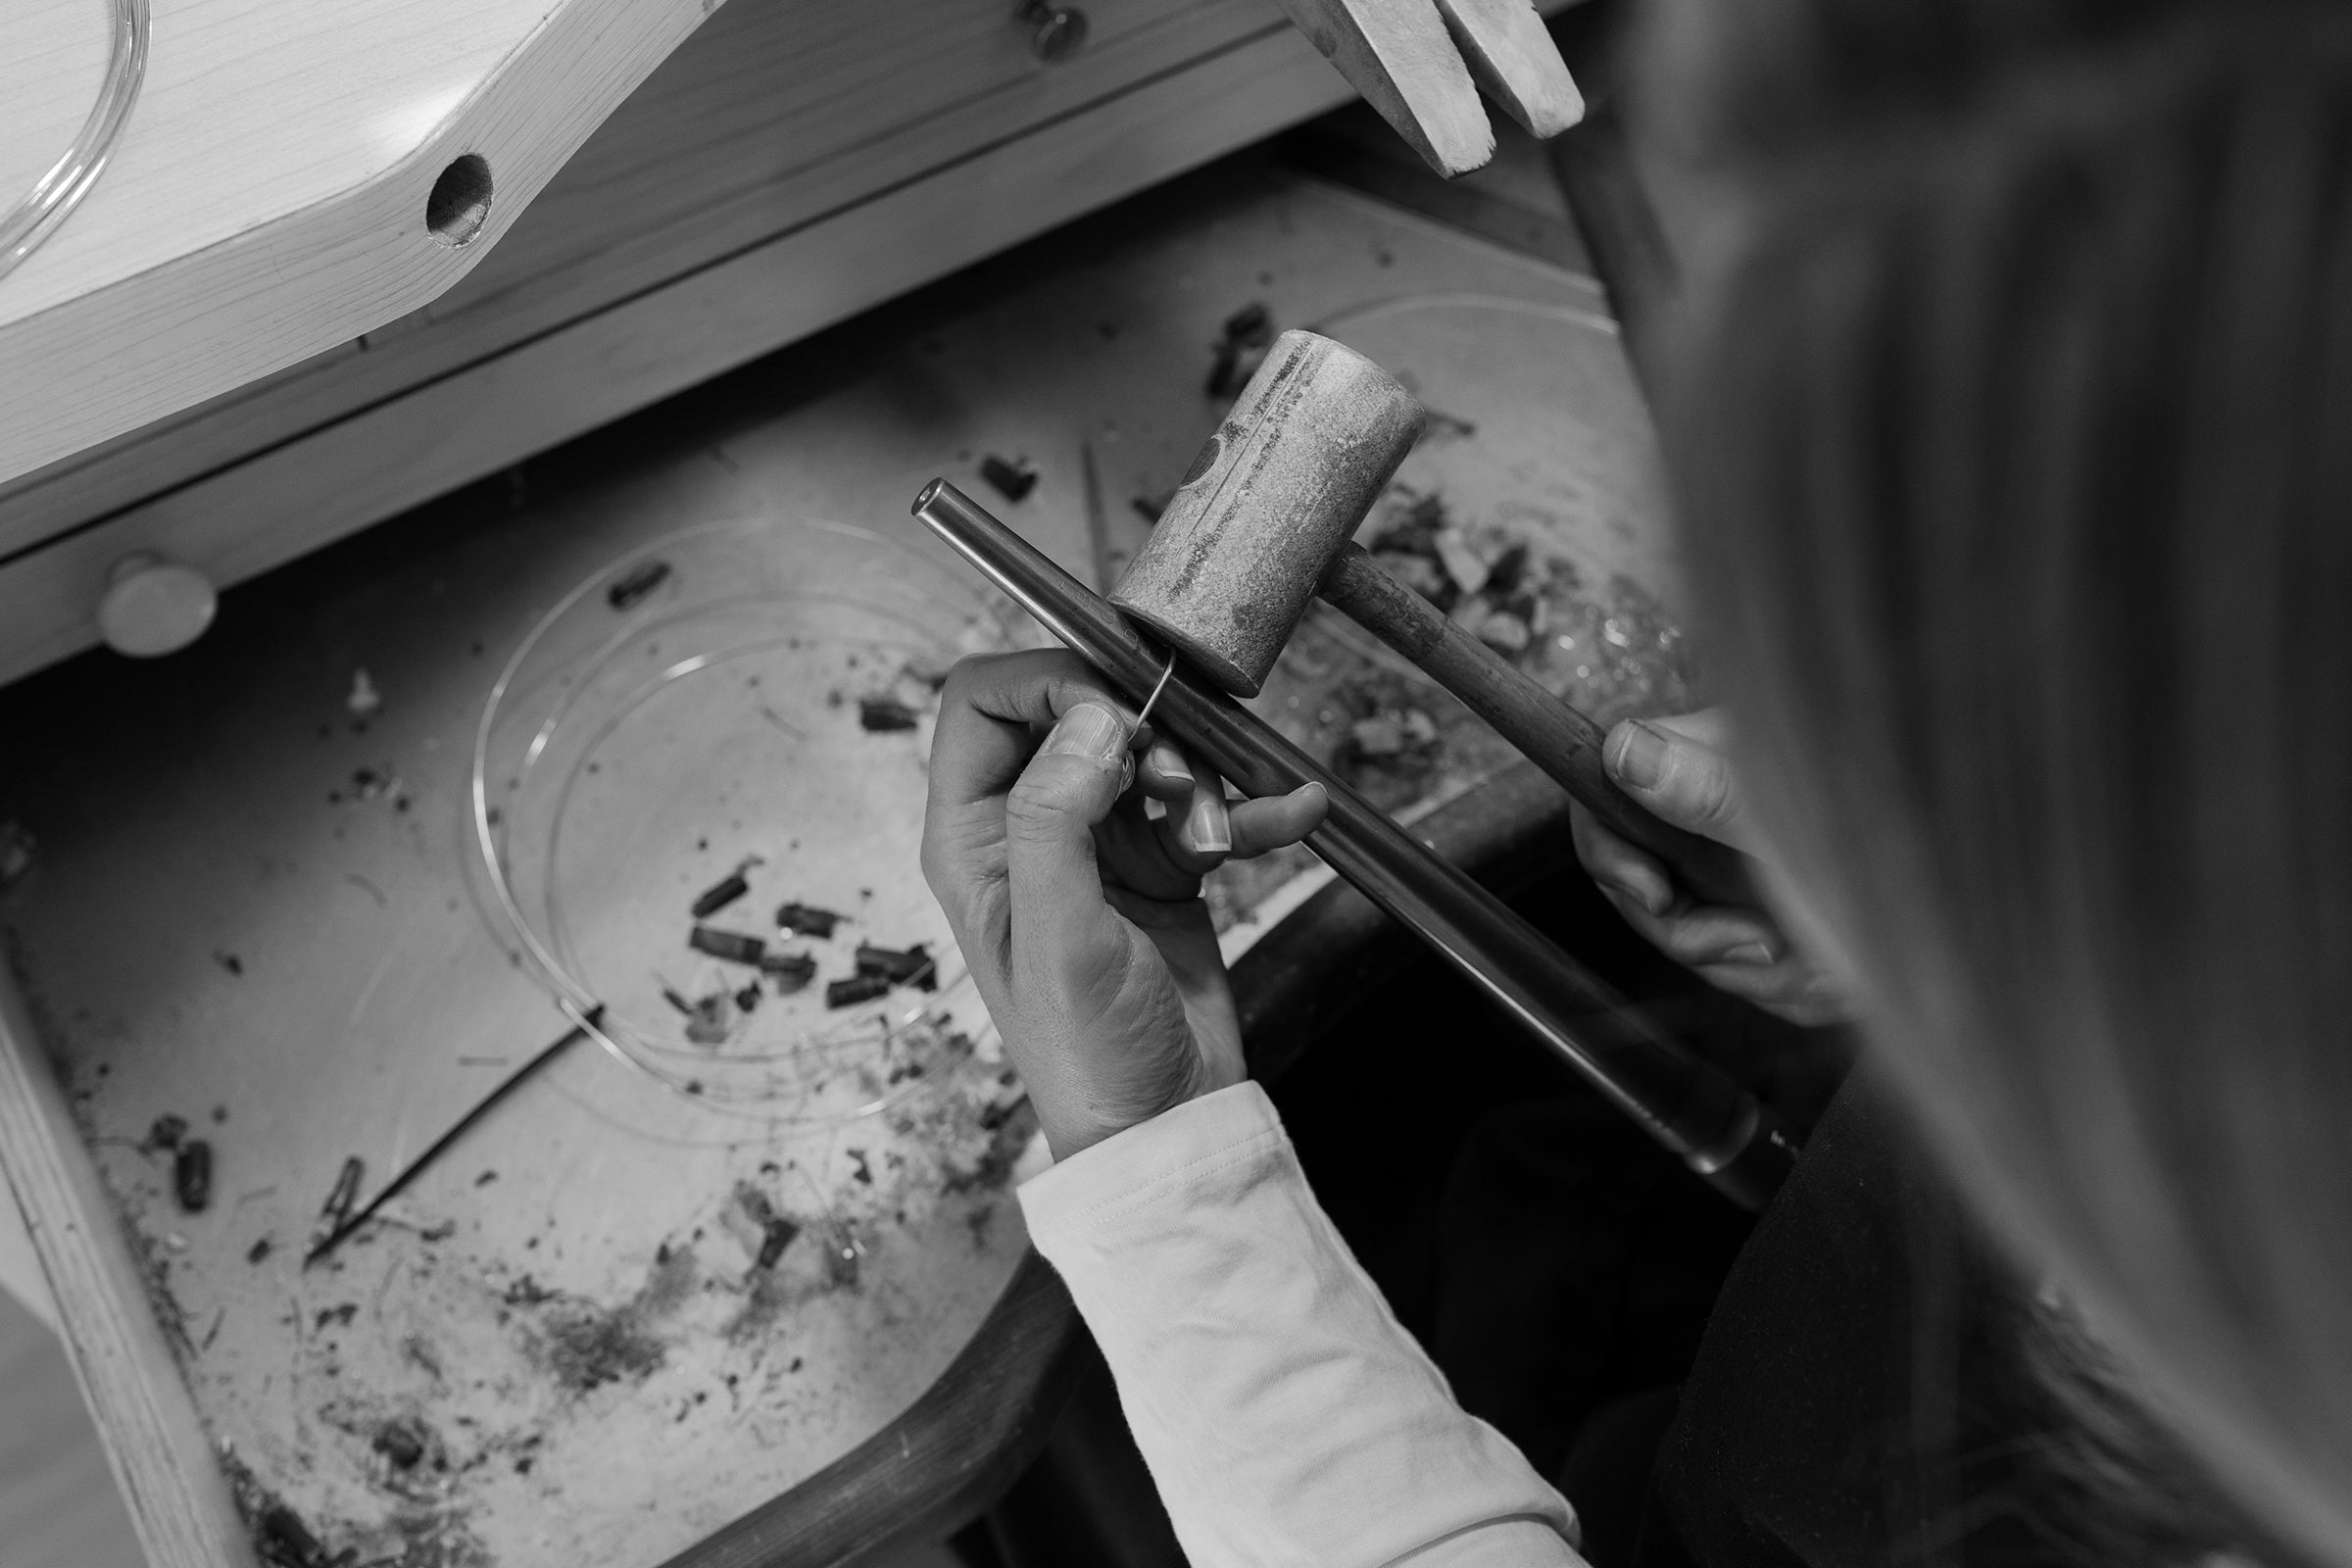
(1059, 916)
(1682, 780)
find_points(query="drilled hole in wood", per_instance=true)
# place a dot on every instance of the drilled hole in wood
(460, 202)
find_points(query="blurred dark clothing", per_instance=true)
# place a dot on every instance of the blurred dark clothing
(1822, 1423)
(1867, 1385)
(1576, 1268)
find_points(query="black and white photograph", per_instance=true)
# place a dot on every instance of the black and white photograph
(1176, 783)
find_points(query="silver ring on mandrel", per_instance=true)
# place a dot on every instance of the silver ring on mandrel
(1146, 711)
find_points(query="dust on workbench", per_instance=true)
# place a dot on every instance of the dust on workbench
(428, 1376)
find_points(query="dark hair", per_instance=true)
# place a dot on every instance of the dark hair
(2010, 422)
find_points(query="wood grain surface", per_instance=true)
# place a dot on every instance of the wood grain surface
(1398, 54)
(1516, 62)
(268, 197)
(59, 1504)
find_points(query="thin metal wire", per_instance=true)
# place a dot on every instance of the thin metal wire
(58, 193)
(415, 1168)
(1146, 711)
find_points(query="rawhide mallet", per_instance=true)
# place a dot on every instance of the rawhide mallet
(1266, 521)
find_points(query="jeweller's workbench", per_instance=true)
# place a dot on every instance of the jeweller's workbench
(617, 1316)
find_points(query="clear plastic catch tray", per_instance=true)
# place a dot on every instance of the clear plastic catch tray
(752, 698)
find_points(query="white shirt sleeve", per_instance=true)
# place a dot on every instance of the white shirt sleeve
(1285, 1414)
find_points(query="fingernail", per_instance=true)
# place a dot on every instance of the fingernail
(1650, 892)
(1638, 759)
(1749, 953)
(1168, 763)
(1207, 828)
(1088, 730)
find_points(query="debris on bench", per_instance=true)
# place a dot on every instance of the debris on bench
(856, 989)
(789, 971)
(631, 587)
(718, 894)
(1241, 349)
(884, 715)
(808, 920)
(192, 1176)
(914, 967)
(1012, 481)
(734, 947)
(345, 1193)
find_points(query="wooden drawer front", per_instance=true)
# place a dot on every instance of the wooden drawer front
(773, 115)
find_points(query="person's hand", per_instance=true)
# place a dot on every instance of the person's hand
(1079, 913)
(1680, 769)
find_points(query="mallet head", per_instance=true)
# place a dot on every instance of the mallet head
(1287, 479)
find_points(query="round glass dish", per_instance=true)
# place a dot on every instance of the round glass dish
(752, 701)
(36, 215)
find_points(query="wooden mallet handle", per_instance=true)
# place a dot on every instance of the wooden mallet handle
(1263, 523)
(1555, 736)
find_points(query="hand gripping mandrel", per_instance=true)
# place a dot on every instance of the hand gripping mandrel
(1718, 1129)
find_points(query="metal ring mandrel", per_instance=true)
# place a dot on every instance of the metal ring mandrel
(1287, 479)
(1714, 1126)
(1145, 712)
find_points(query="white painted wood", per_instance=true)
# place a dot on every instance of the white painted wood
(53, 56)
(180, 1502)
(1398, 55)
(290, 500)
(1510, 53)
(20, 1267)
(59, 1505)
(268, 199)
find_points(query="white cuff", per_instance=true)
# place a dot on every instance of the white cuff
(1285, 1414)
